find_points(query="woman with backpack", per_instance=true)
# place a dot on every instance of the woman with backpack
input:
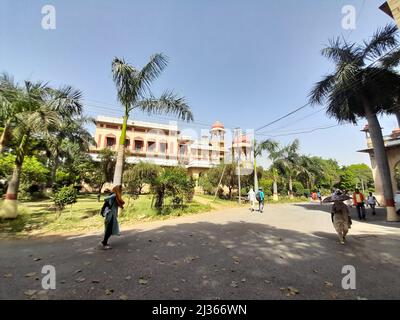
(110, 213)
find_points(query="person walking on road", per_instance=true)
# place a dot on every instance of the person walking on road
(358, 200)
(252, 199)
(371, 201)
(319, 195)
(260, 198)
(340, 215)
(111, 226)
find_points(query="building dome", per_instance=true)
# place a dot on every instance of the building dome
(218, 125)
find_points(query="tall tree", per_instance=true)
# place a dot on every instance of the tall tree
(356, 90)
(133, 90)
(40, 110)
(290, 161)
(274, 152)
(71, 129)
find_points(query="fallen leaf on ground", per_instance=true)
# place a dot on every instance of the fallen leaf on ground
(79, 280)
(234, 284)
(244, 280)
(109, 292)
(78, 271)
(293, 290)
(333, 295)
(128, 278)
(328, 284)
(123, 297)
(315, 271)
(170, 244)
(361, 298)
(175, 289)
(7, 275)
(30, 292)
(37, 259)
(31, 274)
(143, 281)
(156, 257)
(86, 263)
(267, 281)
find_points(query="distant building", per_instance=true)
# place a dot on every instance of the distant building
(392, 8)
(162, 144)
(392, 145)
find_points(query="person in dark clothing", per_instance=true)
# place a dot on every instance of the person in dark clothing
(358, 200)
(110, 222)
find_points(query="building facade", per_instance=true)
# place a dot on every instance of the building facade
(392, 8)
(162, 144)
(392, 145)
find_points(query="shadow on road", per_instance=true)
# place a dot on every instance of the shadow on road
(236, 260)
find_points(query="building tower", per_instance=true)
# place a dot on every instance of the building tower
(218, 138)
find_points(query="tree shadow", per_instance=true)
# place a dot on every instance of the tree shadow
(378, 219)
(235, 260)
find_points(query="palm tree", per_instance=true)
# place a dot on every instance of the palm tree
(71, 129)
(272, 147)
(133, 89)
(391, 62)
(11, 103)
(40, 110)
(290, 161)
(356, 90)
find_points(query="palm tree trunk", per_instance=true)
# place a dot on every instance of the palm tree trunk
(290, 187)
(381, 161)
(5, 136)
(54, 169)
(275, 194)
(119, 166)
(10, 207)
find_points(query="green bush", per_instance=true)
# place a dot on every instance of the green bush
(298, 188)
(66, 195)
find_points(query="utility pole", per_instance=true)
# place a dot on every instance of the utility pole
(238, 136)
(255, 167)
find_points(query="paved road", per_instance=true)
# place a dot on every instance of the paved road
(288, 252)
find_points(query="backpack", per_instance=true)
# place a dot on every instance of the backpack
(106, 208)
(258, 196)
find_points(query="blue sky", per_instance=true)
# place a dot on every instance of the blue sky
(244, 63)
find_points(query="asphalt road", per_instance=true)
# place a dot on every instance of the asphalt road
(288, 252)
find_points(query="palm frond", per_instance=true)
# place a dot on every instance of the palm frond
(341, 52)
(167, 103)
(391, 60)
(66, 100)
(321, 89)
(125, 79)
(151, 71)
(383, 39)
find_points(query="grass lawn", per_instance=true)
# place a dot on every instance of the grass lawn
(40, 218)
